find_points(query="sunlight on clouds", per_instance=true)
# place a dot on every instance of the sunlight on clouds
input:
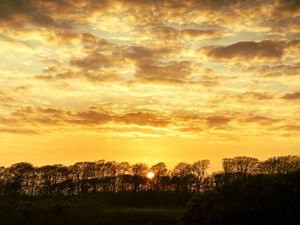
(148, 80)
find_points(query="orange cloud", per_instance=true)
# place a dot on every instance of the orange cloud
(276, 70)
(263, 120)
(169, 33)
(142, 118)
(37, 12)
(170, 72)
(4, 98)
(292, 96)
(217, 121)
(247, 50)
(19, 131)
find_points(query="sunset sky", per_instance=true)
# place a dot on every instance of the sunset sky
(148, 81)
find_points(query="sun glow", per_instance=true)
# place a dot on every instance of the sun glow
(150, 175)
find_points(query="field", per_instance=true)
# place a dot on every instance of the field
(84, 211)
(141, 216)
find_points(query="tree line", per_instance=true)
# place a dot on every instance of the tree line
(24, 179)
(249, 192)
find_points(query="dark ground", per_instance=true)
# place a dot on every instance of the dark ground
(93, 210)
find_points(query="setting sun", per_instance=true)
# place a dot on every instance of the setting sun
(150, 175)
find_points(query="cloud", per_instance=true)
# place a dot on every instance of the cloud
(94, 61)
(67, 74)
(218, 121)
(93, 68)
(258, 95)
(52, 14)
(169, 33)
(291, 127)
(91, 117)
(89, 41)
(32, 120)
(248, 96)
(245, 50)
(275, 70)
(19, 131)
(215, 50)
(150, 64)
(37, 12)
(267, 50)
(289, 6)
(149, 53)
(29, 115)
(143, 118)
(4, 98)
(194, 34)
(262, 120)
(292, 96)
(169, 72)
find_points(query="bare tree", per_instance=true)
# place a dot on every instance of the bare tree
(139, 171)
(198, 169)
(159, 170)
(280, 165)
(182, 176)
(240, 165)
(20, 177)
(123, 170)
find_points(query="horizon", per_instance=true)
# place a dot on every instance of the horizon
(208, 170)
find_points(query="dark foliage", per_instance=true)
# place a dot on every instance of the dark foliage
(100, 209)
(248, 200)
(99, 193)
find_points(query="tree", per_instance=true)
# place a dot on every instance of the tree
(50, 176)
(182, 176)
(3, 180)
(240, 165)
(139, 171)
(198, 169)
(280, 165)
(159, 170)
(20, 175)
(123, 170)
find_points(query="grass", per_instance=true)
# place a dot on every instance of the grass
(141, 216)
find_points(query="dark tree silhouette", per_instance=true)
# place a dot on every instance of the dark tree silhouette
(199, 171)
(139, 171)
(160, 170)
(247, 192)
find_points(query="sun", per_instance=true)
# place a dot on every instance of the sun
(150, 175)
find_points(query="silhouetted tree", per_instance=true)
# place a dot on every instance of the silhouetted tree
(3, 180)
(182, 177)
(198, 169)
(123, 170)
(50, 176)
(139, 171)
(280, 165)
(240, 165)
(160, 170)
(20, 177)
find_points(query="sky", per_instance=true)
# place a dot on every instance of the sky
(148, 81)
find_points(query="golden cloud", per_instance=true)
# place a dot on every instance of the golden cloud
(169, 33)
(275, 70)
(266, 50)
(126, 50)
(169, 72)
(19, 131)
(292, 96)
(4, 98)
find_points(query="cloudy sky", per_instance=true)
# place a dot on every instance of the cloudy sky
(148, 81)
